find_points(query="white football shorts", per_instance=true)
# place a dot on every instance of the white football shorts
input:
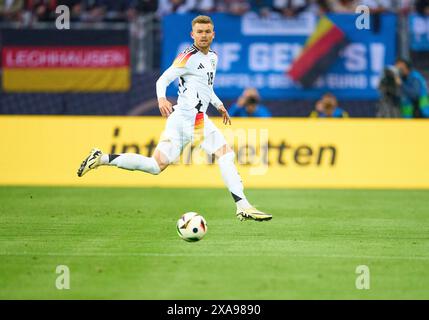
(179, 131)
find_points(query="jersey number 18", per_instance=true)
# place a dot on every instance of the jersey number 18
(210, 78)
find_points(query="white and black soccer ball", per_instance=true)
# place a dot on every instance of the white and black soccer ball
(191, 227)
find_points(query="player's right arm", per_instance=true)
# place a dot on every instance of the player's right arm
(177, 69)
(165, 106)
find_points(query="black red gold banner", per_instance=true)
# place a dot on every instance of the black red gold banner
(65, 62)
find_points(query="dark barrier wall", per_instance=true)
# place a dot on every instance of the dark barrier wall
(103, 103)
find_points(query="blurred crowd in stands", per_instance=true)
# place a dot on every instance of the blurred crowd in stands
(127, 10)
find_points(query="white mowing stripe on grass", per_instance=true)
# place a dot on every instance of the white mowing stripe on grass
(157, 254)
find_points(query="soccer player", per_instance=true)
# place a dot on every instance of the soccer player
(187, 121)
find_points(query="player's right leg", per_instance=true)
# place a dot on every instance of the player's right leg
(128, 161)
(92, 161)
(166, 152)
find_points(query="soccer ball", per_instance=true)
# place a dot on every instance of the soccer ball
(191, 227)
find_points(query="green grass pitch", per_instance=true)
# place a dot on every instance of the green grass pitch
(121, 243)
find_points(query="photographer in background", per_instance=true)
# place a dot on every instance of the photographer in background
(327, 107)
(248, 106)
(389, 105)
(414, 101)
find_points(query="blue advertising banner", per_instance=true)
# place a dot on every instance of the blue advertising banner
(419, 32)
(257, 52)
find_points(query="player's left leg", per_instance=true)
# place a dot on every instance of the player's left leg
(225, 156)
(214, 142)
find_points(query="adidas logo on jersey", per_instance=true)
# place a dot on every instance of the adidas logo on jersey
(200, 66)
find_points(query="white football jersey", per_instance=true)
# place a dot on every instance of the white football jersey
(196, 72)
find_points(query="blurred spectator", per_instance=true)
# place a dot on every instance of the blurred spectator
(379, 6)
(184, 6)
(43, 10)
(92, 10)
(10, 10)
(256, 6)
(327, 107)
(236, 7)
(413, 90)
(75, 7)
(422, 7)
(248, 106)
(290, 8)
(323, 6)
(344, 6)
(119, 10)
(406, 6)
(146, 6)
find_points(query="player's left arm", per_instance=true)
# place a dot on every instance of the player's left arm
(221, 108)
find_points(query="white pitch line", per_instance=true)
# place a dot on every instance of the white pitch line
(155, 254)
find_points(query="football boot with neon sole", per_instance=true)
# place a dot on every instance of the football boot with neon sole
(91, 162)
(252, 214)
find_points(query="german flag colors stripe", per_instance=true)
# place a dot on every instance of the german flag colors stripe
(181, 60)
(320, 51)
(183, 57)
(198, 128)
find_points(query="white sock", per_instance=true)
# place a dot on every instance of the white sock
(232, 179)
(131, 161)
(104, 160)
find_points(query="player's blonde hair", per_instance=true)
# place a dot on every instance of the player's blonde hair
(202, 19)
